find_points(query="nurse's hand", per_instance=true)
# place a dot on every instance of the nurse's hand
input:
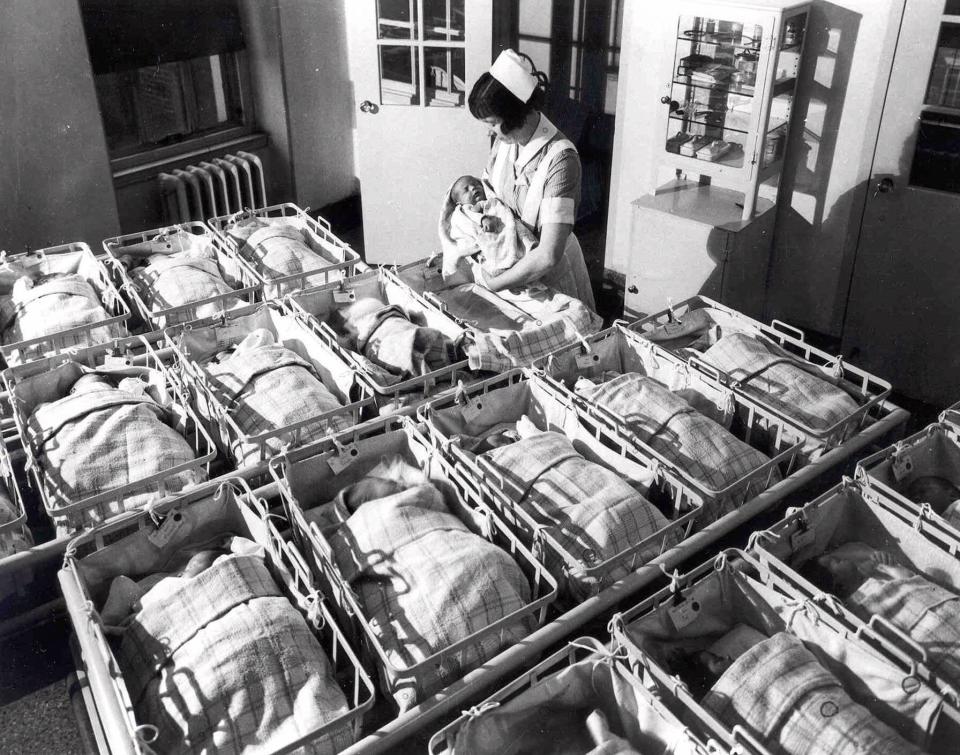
(537, 262)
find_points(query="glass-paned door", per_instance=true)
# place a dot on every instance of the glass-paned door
(412, 63)
(422, 56)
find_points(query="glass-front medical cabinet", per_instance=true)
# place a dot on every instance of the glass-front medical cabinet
(726, 109)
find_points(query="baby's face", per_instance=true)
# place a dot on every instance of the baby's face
(468, 190)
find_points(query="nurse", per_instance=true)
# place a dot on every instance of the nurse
(535, 170)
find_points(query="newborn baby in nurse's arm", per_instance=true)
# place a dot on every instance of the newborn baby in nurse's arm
(871, 582)
(472, 223)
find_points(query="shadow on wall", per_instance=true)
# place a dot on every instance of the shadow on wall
(808, 256)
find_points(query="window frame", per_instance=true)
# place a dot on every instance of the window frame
(201, 143)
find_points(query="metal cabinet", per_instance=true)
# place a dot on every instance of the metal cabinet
(729, 93)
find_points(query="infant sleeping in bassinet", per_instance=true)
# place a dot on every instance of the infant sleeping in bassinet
(472, 224)
(778, 689)
(36, 302)
(871, 581)
(177, 268)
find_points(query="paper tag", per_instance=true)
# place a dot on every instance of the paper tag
(902, 466)
(586, 361)
(473, 410)
(684, 613)
(803, 538)
(167, 529)
(115, 361)
(345, 296)
(340, 461)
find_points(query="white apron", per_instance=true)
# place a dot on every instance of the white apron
(569, 275)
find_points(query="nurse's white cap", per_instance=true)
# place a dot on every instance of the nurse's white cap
(513, 71)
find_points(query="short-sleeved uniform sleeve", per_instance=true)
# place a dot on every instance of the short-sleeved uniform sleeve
(561, 193)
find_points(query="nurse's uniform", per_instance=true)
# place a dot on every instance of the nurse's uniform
(540, 182)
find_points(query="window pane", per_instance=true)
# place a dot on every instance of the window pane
(943, 88)
(443, 19)
(539, 53)
(162, 104)
(399, 75)
(445, 74)
(397, 19)
(952, 8)
(535, 18)
(936, 158)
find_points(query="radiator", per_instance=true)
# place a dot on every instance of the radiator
(208, 189)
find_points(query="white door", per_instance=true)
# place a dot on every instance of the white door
(903, 316)
(412, 63)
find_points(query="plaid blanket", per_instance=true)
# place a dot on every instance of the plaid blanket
(173, 281)
(588, 509)
(226, 664)
(706, 451)
(502, 351)
(386, 336)
(425, 582)
(59, 304)
(928, 613)
(277, 248)
(90, 443)
(776, 378)
(779, 692)
(268, 388)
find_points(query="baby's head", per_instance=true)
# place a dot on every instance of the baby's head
(939, 492)
(468, 190)
(844, 569)
(89, 382)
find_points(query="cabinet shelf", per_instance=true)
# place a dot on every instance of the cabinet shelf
(720, 39)
(717, 123)
(740, 91)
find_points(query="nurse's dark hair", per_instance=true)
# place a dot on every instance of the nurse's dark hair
(490, 98)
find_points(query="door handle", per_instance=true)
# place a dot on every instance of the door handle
(674, 105)
(368, 107)
(884, 186)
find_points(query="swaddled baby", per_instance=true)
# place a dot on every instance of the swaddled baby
(127, 595)
(778, 690)
(104, 430)
(177, 269)
(942, 495)
(487, 226)
(871, 581)
(392, 338)
(264, 386)
(42, 304)
(422, 577)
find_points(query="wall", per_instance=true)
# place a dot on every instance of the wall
(840, 96)
(55, 184)
(319, 99)
(261, 34)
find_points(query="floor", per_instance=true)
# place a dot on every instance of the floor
(36, 715)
